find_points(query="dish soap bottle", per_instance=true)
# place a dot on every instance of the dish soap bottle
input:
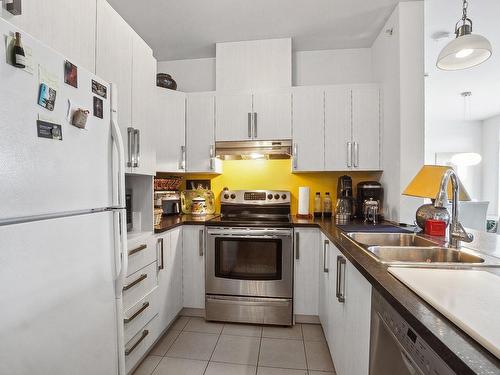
(327, 205)
(318, 206)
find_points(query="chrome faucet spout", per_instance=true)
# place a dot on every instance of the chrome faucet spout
(456, 231)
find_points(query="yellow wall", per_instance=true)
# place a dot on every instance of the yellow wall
(275, 174)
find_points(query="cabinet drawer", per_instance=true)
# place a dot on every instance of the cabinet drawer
(138, 285)
(139, 344)
(141, 252)
(138, 315)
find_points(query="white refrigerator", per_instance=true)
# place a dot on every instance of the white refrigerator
(62, 222)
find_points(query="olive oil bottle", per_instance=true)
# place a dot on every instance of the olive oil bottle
(18, 56)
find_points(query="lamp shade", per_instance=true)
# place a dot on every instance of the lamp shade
(427, 181)
(464, 52)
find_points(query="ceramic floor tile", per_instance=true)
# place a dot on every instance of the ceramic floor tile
(215, 368)
(318, 356)
(148, 365)
(237, 349)
(320, 373)
(165, 343)
(202, 326)
(282, 353)
(242, 330)
(180, 366)
(193, 345)
(279, 371)
(294, 332)
(313, 332)
(180, 323)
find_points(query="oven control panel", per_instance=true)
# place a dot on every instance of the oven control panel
(255, 196)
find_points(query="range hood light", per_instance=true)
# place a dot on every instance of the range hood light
(256, 155)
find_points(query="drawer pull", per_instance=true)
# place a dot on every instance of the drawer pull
(137, 249)
(132, 348)
(135, 282)
(144, 306)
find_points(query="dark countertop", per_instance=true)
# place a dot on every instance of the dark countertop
(463, 354)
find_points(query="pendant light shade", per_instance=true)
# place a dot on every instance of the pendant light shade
(467, 49)
(464, 52)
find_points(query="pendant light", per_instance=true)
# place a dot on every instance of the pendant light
(467, 49)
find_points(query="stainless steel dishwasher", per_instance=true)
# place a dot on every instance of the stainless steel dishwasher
(395, 347)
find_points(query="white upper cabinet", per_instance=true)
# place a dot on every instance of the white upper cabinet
(308, 129)
(66, 26)
(366, 127)
(200, 133)
(272, 111)
(170, 128)
(114, 43)
(254, 65)
(338, 129)
(143, 91)
(234, 117)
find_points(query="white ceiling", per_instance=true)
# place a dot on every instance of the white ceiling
(443, 100)
(184, 29)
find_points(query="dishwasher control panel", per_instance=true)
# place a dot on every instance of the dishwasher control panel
(415, 347)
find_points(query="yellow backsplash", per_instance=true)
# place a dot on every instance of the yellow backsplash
(276, 175)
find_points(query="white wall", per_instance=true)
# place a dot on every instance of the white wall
(491, 167)
(191, 75)
(398, 64)
(308, 68)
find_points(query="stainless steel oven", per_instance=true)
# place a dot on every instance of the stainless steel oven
(249, 275)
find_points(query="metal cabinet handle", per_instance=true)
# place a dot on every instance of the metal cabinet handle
(137, 136)
(144, 306)
(356, 154)
(130, 142)
(137, 249)
(249, 125)
(132, 348)
(325, 245)
(201, 242)
(212, 157)
(341, 263)
(182, 164)
(135, 282)
(255, 124)
(295, 155)
(349, 154)
(297, 249)
(161, 265)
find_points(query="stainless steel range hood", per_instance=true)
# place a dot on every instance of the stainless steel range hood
(248, 150)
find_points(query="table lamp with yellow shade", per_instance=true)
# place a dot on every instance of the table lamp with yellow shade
(427, 184)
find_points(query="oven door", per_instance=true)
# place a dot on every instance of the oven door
(254, 262)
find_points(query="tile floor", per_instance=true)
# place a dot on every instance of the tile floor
(193, 346)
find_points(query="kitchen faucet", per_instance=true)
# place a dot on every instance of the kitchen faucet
(456, 231)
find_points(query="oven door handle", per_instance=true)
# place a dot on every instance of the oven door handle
(251, 234)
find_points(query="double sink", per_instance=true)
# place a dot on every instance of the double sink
(412, 250)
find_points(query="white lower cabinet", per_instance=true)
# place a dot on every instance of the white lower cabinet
(139, 345)
(193, 266)
(344, 311)
(306, 253)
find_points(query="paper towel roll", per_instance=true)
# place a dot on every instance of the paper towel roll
(304, 200)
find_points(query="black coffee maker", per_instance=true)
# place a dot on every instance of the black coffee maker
(369, 196)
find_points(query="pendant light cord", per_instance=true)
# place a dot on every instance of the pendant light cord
(464, 10)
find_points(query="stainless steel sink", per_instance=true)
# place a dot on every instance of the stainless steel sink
(425, 255)
(390, 239)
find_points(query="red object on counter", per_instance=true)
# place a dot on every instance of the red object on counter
(435, 228)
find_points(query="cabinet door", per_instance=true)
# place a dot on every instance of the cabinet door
(164, 271)
(366, 127)
(357, 312)
(338, 130)
(200, 133)
(193, 264)
(233, 121)
(114, 61)
(307, 249)
(175, 264)
(308, 129)
(324, 281)
(272, 115)
(170, 131)
(143, 86)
